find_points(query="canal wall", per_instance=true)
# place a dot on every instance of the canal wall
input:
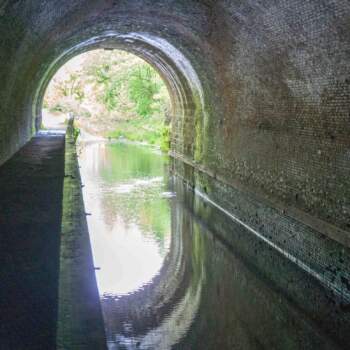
(246, 273)
(80, 323)
(260, 94)
(318, 254)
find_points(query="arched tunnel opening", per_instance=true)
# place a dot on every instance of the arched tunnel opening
(105, 90)
(259, 168)
(175, 69)
(122, 117)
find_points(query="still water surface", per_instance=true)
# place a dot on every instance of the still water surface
(130, 225)
(174, 273)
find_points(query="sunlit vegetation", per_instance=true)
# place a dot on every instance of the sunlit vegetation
(113, 94)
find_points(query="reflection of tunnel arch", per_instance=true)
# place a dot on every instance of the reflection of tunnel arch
(160, 314)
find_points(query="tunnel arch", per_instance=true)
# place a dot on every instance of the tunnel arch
(158, 34)
(265, 133)
(183, 84)
(274, 77)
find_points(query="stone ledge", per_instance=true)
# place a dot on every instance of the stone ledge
(80, 322)
(320, 256)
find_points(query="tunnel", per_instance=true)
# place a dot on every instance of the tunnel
(260, 94)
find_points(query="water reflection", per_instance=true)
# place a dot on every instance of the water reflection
(130, 222)
(211, 284)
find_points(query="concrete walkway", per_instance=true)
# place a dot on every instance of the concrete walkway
(80, 323)
(31, 187)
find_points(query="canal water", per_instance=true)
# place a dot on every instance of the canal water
(175, 273)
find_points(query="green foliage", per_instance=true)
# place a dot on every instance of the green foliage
(123, 91)
(58, 108)
(140, 82)
(165, 139)
(111, 94)
(151, 131)
(76, 133)
(142, 88)
(63, 88)
(79, 94)
(71, 87)
(102, 73)
(85, 114)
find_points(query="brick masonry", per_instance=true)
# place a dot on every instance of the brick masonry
(261, 91)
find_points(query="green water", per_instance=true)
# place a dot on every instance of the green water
(129, 227)
(176, 273)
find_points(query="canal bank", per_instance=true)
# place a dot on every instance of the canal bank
(80, 324)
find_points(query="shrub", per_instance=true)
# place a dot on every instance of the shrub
(142, 88)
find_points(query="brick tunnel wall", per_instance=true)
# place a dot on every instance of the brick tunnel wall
(274, 76)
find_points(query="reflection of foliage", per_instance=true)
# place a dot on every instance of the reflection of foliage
(143, 206)
(155, 217)
(125, 164)
(127, 161)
